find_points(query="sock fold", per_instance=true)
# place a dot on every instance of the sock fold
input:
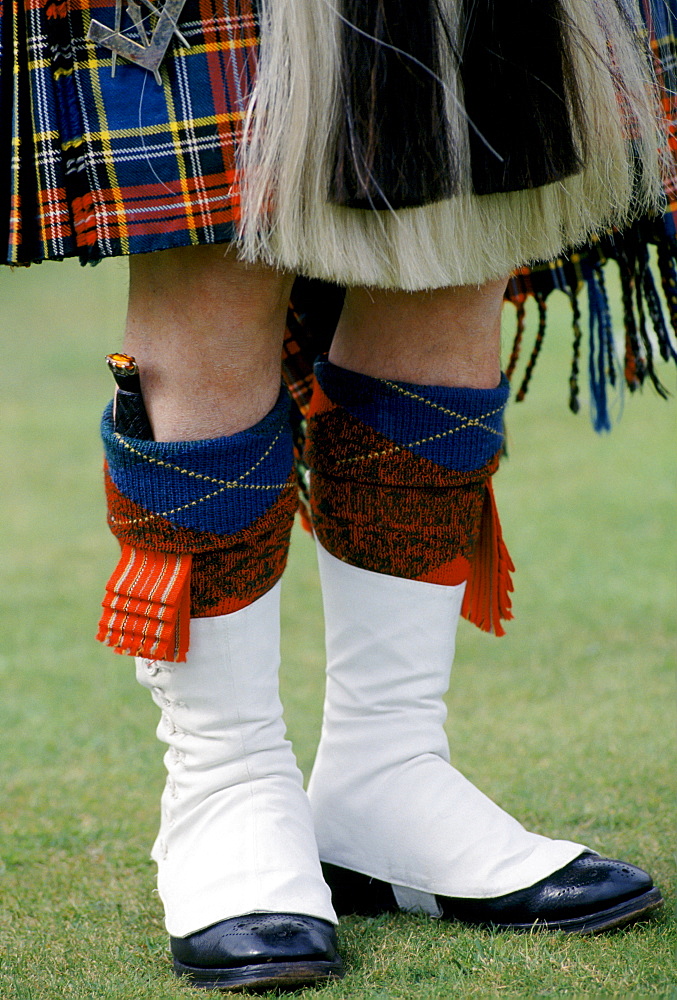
(203, 525)
(401, 483)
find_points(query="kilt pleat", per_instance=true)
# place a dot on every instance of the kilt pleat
(106, 165)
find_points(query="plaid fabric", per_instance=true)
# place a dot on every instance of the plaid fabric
(104, 166)
(647, 324)
(661, 20)
(98, 166)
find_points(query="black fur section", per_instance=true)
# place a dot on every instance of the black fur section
(392, 149)
(521, 95)
(522, 101)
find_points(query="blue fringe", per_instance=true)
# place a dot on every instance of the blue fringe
(601, 359)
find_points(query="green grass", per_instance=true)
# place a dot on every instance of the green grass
(568, 721)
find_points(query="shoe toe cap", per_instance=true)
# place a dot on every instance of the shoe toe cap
(588, 885)
(257, 938)
(590, 882)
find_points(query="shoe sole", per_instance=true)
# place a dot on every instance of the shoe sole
(267, 976)
(629, 912)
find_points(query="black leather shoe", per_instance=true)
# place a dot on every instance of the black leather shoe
(259, 951)
(587, 895)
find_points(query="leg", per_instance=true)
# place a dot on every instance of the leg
(215, 492)
(401, 464)
(447, 337)
(206, 330)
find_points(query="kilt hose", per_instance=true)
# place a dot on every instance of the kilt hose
(204, 529)
(401, 483)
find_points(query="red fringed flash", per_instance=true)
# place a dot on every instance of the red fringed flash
(487, 593)
(147, 605)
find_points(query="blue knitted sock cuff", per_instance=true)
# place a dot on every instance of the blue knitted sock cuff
(457, 428)
(218, 486)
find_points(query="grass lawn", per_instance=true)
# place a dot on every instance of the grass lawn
(568, 721)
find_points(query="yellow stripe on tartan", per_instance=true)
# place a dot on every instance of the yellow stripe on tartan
(220, 46)
(39, 64)
(45, 136)
(92, 64)
(133, 133)
(174, 128)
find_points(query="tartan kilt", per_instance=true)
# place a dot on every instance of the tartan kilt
(98, 166)
(95, 165)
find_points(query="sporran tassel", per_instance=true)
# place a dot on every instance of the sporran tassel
(644, 307)
(668, 273)
(574, 389)
(538, 344)
(392, 147)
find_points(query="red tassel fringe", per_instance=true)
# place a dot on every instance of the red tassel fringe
(487, 593)
(147, 605)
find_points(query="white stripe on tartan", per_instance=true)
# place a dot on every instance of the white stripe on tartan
(81, 66)
(190, 148)
(41, 91)
(156, 151)
(165, 206)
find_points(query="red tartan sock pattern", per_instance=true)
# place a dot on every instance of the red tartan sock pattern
(204, 528)
(379, 506)
(168, 574)
(228, 572)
